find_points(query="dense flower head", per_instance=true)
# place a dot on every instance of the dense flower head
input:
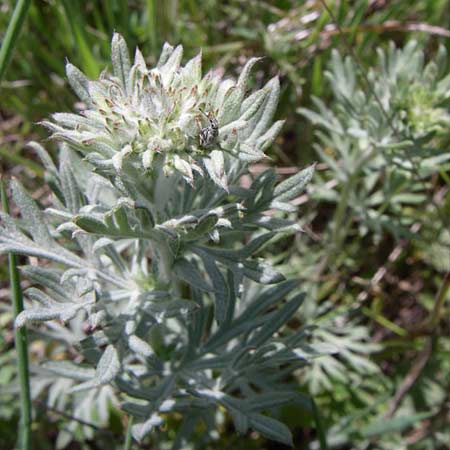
(169, 116)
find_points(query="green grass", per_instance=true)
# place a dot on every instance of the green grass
(12, 34)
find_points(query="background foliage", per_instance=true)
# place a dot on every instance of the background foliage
(374, 256)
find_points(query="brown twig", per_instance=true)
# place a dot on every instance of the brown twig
(382, 270)
(424, 356)
(73, 418)
(433, 423)
(412, 376)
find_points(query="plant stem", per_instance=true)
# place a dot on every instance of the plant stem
(436, 314)
(21, 343)
(128, 439)
(319, 426)
(340, 229)
(12, 33)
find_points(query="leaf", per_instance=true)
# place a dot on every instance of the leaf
(271, 428)
(215, 166)
(268, 138)
(185, 431)
(118, 222)
(276, 224)
(120, 60)
(36, 315)
(182, 166)
(167, 50)
(278, 320)
(261, 402)
(251, 105)
(268, 108)
(79, 83)
(108, 367)
(170, 308)
(267, 299)
(91, 224)
(39, 296)
(137, 345)
(140, 430)
(188, 272)
(240, 420)
(293, 186)
(250, 154)
(69, 186)
(225, 334)
(221, 288)
(283, 206)
(262, 189)
(259, 271)
(48, 278)
(204, 226)
(44, 157)
(32, 215)
(214, 362)
(135, 390)
(13, 240)
(230, 107)
(52, 309)
(245, 74)
(196, 326)
(141, 409)
(171, 65)
(256, 245)
(237, 256)
(262, 272)
(394, 425)
(192, 72)
(68, 369)
(232, 404)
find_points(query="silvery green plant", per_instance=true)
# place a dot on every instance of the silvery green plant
(381, 145)
(153, 247)
(168, 118)
(382, 141)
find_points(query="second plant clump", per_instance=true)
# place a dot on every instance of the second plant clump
(151, 244)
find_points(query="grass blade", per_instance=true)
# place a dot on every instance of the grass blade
(21, 342)
(78, 27)
(12, 33)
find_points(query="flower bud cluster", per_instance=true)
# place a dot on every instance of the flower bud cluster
(168, 117)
